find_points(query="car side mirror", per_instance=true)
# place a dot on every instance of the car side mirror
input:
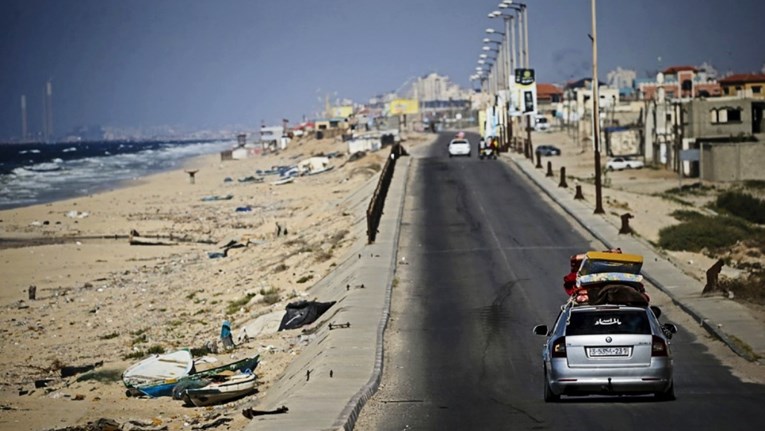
(669, 329)
(656, 310)
(540, 329)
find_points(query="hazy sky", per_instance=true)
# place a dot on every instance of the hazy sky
(207, 64)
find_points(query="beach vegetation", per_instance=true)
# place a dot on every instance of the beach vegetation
(280, 268)
(237, 304)
(155, 350)
(191, 296)
(755, 184)
(139, 339)
(338, 236)
(109, 336)
(271, 295)
(701, 233)
(175, 323)
(304, 279)
(750, 288)
(742, 205)
(695, 189)
(296, 241)
(323, 256)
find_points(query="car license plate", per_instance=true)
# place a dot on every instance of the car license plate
(608, 351)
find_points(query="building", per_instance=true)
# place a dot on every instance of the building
(744, 84)
(549, 93)
(434, 87)
(622, 79)
(680, 82)
(716, 139)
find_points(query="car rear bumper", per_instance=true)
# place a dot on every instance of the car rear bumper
(459, 152)
(610, 380)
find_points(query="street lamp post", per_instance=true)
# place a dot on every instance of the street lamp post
(596, 112)
(523, 48)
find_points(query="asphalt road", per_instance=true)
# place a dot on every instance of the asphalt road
(484, 255)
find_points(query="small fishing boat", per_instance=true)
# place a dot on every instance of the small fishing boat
(197, 379)
(156, 375)
(286, 180)
(221, 390)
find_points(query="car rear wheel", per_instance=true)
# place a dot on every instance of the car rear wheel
(550, 396)
(668, 395)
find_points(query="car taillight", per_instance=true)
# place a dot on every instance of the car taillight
(658, 347)
(559, 348)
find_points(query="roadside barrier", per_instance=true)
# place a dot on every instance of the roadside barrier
(375, 208)
(563, 182)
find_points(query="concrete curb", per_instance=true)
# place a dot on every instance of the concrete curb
(350, 414)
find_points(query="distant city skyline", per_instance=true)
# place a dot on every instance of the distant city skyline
(209, 65)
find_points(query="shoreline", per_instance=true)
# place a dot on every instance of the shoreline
(118, 183)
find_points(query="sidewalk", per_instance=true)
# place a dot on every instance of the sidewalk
(729, 321)
(326, 386)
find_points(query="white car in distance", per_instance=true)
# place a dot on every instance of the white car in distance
(459, 147)
(619, 163)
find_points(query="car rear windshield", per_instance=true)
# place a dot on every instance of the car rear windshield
(458, 142)
(608, 322)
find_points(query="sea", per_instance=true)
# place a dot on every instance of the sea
(32, 174)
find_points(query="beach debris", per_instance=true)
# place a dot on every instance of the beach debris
(333, 325)
(314, 165)
(192, 173)
(250, 179)
(135, 238)
(32, 292)
(213, 424)
(302, 313)
(225, 335)
(77, 214)
(212, 198)
(138, 425)
(283, 181)
(250, 413)
(42, 383)
(228, 180)
(244, 209)
(68, 371)
(225, 247)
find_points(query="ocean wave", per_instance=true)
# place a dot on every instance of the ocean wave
(62, 178)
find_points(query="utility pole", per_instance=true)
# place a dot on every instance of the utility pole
(596, 112)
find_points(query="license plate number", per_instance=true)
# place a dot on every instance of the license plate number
(608, 351)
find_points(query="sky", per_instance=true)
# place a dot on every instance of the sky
(204, 64)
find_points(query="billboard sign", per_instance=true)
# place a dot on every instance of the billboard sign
(404, 106)
(527, 91)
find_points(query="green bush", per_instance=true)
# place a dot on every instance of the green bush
(750, 288)
(754, 184)
(234, 306)
(687, 215)
(742, 205)
(698, 232)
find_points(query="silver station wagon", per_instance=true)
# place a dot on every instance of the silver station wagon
(607, 350)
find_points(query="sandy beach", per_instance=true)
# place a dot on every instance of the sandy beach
(100, 299)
